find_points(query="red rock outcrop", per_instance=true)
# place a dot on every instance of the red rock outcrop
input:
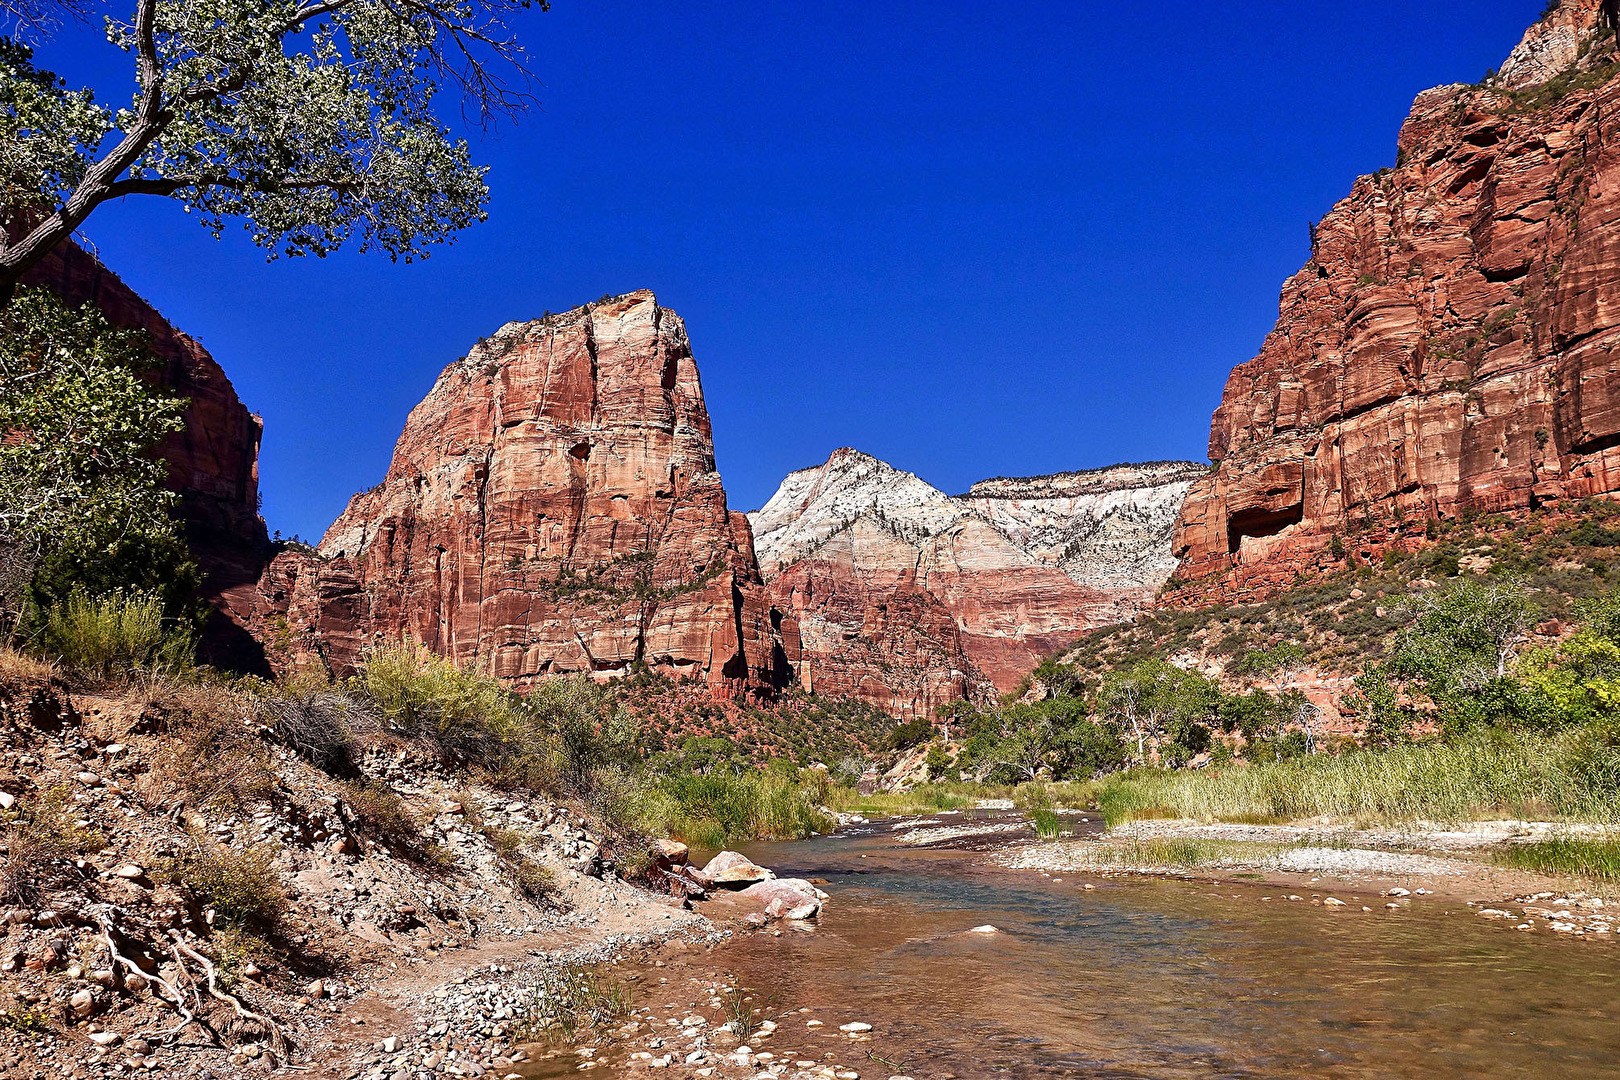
(213, 463)
(907, 598)
(552, 507)
(1454, 342)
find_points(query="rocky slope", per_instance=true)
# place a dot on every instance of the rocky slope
(908, 598)
(213, 464)
(1450, 346)
(552, 507)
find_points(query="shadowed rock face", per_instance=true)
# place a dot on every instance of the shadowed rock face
(1452, 343)
(213, 464)
(908, 598)
(552, 507)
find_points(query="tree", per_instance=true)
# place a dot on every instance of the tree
(311, 119)
(79, 484)
(1058, 736)
(1460, 653)
(1159, 702)
(1282, 665)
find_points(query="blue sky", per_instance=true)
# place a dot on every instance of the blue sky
(972, 239)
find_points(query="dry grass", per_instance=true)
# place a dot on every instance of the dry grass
(21, 670)
(39, 839)
(212, 755)
(380, 814)
(533, 879)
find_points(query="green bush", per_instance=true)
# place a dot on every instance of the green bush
(150, 565)
(113, 636)
(241, 886)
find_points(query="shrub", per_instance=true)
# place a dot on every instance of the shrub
(319, 725)
(533, 879)
(429, 697)
(149, 565)
(113, 636)
(242, 887)
(912, 733)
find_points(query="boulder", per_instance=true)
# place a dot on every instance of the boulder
(730, 870)
(668, 853)
(787, 898)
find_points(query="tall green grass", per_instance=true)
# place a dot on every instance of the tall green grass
(714, 810)
(1593, 858)
(1575, 775)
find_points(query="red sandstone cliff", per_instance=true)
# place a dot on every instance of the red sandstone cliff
(552, 507)
(213, 463)
(908, 598)
(1452, 343)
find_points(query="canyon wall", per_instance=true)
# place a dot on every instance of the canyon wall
(908, 598)
(552, 507)
(1451, 345)
(213, 464)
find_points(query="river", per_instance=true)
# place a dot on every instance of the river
(1158, 979)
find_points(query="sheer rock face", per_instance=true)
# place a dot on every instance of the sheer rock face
(1454, 343)
(908, 598)
(552, 507)
(213, 464)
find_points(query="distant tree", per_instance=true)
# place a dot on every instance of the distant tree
(311, 119)
(1160, 703)
(1460, 653)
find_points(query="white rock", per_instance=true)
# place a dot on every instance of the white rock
(856, 1028)
(985, 929)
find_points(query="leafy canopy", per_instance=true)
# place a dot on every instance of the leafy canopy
(79, 426)
(314, 121)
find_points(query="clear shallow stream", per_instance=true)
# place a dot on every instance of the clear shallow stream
(1163, 979)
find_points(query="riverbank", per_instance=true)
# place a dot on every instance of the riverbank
(1352, 869)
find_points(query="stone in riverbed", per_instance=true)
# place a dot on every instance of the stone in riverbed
(787, 898)
(733, 871)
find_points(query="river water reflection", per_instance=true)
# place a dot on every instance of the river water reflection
(1167, 979)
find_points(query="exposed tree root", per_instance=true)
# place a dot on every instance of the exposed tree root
(244, 1015)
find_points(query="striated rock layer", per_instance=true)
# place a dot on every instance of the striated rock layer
(552, 507)
(908, 598)
(213, 463)
(1452, 344)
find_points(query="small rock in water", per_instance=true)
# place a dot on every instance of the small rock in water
(985, 929)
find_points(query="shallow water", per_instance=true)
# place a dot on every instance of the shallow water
(1163, 979)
